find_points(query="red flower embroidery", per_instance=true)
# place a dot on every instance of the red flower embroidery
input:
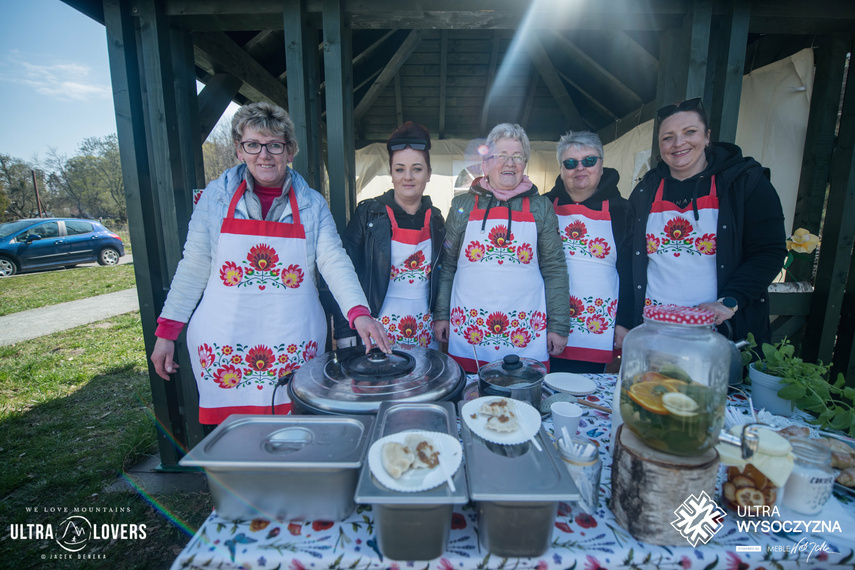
(473, 312)
(678, 228)
(262, 257)
(206, 356)
(408, 326)
(310, 351)
(613, 309)
(538, 321)
(474, 251)
(292, 276)
(520, 338)
(599, 248)
(652, 244)
(230, 274)
(385, 320)
(585, 520)
(706, 244)
(525, 253)
(500, 237)
(497, 323)
(458, 521)
(259, 358)
(425, 339)
(457, 317)
(290, 367)
(414, 261)
(228, 376)
(576, 230)
(227, 350)
(563, 527)
(236, 359)
(596, 324)
(577, 307)
(473, 335)
(321, 525)
(295, 564)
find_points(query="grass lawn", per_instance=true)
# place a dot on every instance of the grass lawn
(34, 290)
(74, 413)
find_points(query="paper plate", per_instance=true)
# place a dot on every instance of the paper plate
(527, 415)
(570, 383)
(415, 480)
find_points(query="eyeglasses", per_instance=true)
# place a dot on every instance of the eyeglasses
(253, 147)
(503, 158)
(587, 162)
(687, 105)
(415, 144)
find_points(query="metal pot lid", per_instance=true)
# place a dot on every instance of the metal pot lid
(377, 365)
(512, 369)
(327, 384)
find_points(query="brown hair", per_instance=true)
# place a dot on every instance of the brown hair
(410, 130)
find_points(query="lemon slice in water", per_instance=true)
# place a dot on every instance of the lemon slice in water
(679, 404)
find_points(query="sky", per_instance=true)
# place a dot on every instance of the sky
(55, 85)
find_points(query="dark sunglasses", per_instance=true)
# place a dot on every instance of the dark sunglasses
(415, 144)
(687, 105)
(587, 162)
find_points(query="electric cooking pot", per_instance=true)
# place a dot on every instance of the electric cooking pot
(349, 381)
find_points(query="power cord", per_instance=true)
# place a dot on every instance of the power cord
(282, 381)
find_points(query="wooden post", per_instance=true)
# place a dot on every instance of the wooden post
(730, 43)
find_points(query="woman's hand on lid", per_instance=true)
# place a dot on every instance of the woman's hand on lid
(722, 313)
(440, 331)
(163, 357)
(372, 334)
(555, 343)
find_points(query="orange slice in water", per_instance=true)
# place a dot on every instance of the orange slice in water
(648, 395)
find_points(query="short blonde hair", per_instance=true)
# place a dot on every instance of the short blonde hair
(509, 131)
(265, 118)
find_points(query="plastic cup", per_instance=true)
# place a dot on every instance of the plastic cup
(567, 415)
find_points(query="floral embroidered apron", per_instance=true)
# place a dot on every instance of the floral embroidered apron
(591, 254)
(405, 312)
(260, 316)
(498, 300)
(681, 251)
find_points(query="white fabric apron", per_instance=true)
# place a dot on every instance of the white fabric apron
(681, 251)
(591, 253)
(405, 312)
(498, 300)
(260, 317)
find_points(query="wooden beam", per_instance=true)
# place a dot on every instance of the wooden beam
(628, 122)
(232, 59)
(730, 64)
(491, 78)
(443, 79)
(553, 83)
(214, 99)
(593, 101)
(698, 27)
(388, 73)
(529, 98)
(399, 109)
(188, 125)
(367, 52)
(263, 36)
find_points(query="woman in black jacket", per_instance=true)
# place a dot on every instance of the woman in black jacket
(394, 241)
(708, 227)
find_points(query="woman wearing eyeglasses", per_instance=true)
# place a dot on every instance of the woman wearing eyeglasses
(256, 242)
(394, 241)
(503, 279)
(592, 221)
(708, 227)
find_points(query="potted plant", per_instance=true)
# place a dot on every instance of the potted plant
(801, 384)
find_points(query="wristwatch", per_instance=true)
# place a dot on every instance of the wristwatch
(729, 302)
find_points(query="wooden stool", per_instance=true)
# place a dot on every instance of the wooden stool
(649, 485)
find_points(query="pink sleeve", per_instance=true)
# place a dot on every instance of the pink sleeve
(168, 329)
(357, 311)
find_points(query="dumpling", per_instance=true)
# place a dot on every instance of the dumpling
(397, 459)
(503, 423)
(426, 455)
(496, 407)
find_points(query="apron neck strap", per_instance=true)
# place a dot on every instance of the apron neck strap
(241, 190)
(661, 190)
(395, 227)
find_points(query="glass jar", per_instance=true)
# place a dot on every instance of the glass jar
(812, 479)
(673, 380)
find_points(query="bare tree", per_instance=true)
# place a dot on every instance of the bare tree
(218, 152)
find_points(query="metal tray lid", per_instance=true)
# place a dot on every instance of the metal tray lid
(516, 473)
(393, 418)
(277, 442)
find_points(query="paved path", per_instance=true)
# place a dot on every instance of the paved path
(34, 323)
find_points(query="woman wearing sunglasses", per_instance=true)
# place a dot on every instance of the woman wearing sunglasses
(708, 227)
(257, 241)
(394, 241)
(503, 278)
(592, 221)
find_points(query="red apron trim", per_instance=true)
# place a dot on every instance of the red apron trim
(411, 237)
(587, 354)
(705, 202)
(523, 216)
(219, 415)
(292, 199)
(262, 228)
(579, 209)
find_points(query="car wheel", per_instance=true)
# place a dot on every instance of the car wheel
(7, 267)
(108, 256)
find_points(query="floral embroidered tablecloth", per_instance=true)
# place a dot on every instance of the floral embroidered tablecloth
(579, 540)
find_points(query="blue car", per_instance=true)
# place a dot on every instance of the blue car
(44, 243)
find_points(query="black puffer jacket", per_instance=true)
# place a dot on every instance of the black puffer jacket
(368, 241)
(751, 241)
(619, 211)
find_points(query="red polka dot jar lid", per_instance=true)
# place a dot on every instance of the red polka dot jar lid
(679, 315)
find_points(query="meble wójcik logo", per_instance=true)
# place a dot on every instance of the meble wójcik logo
(698, 519)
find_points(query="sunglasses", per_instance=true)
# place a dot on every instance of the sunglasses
(415, 144)
(587, 162)
(687, 105)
